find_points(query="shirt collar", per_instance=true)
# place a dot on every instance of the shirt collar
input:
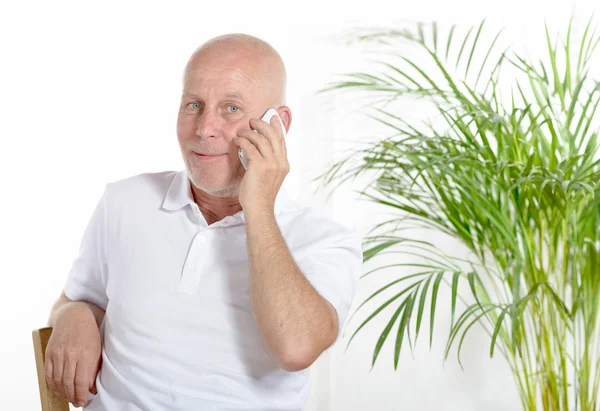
(179, 195)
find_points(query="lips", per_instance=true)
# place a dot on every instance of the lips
(212, 158)
(209, 155)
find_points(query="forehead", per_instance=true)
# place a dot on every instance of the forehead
(226, 78)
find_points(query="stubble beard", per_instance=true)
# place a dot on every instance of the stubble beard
(230, 191)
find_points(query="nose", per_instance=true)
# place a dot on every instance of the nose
(207, 124)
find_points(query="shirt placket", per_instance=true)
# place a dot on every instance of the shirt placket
(192, 269)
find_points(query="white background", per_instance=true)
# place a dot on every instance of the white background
(89, 94)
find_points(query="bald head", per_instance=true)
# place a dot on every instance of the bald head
(228, 81)
(255, 59)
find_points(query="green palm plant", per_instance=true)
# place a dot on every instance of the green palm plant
(509, 168)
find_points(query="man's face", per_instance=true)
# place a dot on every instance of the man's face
(220, 96)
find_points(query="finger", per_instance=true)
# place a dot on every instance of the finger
(278, 139)
(284, 149)
(260, 141)
(93, 388)
(57, 377)
(271, 133)
(274, 134)
(69, 379)
(49, 374)
(249, 149)
(95, 373)
(82, 384)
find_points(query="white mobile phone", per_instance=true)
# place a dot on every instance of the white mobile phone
(267, 118)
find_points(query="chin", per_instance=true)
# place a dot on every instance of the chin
(216, 190)
(228, 192)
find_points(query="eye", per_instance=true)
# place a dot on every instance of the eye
(236, 109)
(193, 106)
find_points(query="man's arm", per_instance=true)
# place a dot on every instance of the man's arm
(74, 351)
(64, 303)
(295, 322)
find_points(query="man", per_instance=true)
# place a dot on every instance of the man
(207, 288)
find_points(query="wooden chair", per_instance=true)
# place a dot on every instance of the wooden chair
(50, 401)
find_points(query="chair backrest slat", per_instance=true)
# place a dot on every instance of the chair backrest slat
(50, 401)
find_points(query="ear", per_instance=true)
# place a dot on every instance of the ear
(286, 116)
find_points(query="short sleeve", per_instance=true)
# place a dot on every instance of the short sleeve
(88, 276)
(333, 268)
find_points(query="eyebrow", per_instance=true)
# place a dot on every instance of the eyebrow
(228, 95)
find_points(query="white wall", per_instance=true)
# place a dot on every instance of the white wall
(89, 93)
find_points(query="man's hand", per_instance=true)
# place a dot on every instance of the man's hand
(268, 163)
(74, 355)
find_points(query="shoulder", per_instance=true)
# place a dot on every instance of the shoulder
(138, 192)
(308, 227)
(157, 182)
(140, 187)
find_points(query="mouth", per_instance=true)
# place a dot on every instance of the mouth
(206, 157)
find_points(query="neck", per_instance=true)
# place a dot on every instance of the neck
(215, 208)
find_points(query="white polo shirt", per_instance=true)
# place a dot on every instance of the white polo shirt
(179, 333)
